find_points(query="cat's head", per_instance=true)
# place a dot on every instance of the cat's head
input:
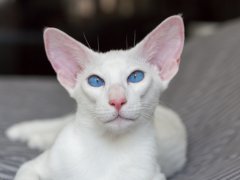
(119, 88)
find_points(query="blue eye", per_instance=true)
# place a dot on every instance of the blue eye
(135, 76)
(95, 81)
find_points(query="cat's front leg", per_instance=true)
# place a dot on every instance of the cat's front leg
(35, 169)
(27, 172)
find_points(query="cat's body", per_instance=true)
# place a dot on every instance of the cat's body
(170, 136)
(119, 131)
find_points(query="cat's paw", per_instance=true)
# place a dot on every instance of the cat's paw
(32, 133)
(19, 132)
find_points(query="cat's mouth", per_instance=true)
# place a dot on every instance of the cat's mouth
(119, 118)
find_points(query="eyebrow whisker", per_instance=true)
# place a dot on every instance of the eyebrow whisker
(86, 40)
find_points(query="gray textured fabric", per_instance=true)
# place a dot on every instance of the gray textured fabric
(205, 93)
(23, 99)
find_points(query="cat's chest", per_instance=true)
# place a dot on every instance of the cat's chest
(88, 160)
(105, 167)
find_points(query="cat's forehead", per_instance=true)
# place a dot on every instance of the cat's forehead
(117, 63)
(115, 59)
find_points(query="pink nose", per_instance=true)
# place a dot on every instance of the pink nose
(117, 103)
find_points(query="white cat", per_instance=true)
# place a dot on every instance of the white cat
(119, 131)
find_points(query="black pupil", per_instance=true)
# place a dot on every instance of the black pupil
(135, 75)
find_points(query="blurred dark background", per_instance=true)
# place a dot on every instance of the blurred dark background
(111, 22)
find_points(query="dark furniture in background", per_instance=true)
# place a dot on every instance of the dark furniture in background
(109, 21)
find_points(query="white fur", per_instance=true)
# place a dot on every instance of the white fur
(85, 146)
(38, 133)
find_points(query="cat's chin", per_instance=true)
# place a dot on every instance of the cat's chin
(119, 124)
(119, 119)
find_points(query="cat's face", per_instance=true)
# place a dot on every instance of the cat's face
(117, 89)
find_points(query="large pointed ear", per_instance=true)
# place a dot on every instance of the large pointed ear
(163, 47)
(67, 56)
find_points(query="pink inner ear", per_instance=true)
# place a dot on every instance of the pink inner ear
(163, 46)
(65, 65)
(66, 55)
